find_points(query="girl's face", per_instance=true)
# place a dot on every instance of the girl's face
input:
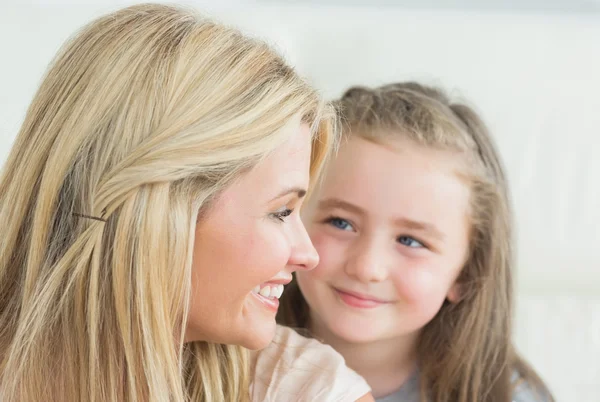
(391, 229)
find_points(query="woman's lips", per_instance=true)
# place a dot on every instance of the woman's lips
(269, 292)
(270, 303)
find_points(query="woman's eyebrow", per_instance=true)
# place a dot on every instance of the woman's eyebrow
(301, 192)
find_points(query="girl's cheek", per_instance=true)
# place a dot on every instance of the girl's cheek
(416, 285)
(330, 256)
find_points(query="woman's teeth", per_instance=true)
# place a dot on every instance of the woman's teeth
(272, 292)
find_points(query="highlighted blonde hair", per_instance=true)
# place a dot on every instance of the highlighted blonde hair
(143, 117)
(465, 352)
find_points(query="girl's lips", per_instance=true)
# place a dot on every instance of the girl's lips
(358, 300)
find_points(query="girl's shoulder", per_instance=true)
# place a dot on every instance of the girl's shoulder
(524, 391)
(296, 368)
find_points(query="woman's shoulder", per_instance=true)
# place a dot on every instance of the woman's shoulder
(296, 368)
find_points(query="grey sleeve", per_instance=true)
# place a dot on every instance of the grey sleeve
(525, 393)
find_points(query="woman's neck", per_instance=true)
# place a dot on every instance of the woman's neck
(385, 364)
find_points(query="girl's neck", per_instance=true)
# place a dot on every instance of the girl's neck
(385, 364)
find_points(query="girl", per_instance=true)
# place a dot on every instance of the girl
(413, 227)
(150, 214)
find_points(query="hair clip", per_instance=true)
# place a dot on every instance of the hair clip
(89, 217)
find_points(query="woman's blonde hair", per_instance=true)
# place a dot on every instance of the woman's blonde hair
(143, 117)
(465, 352)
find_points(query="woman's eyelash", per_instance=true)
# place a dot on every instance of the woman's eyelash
(281, 215)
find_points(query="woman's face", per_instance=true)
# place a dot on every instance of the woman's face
(246, 247)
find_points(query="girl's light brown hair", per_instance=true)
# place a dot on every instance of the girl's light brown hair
(465, 352)
(142, 119)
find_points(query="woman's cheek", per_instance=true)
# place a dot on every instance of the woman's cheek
(267, 265)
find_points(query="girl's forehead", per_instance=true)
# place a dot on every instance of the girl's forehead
(392, 157)
(412, 178)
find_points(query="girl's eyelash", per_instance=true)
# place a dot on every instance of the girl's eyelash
(422, 243)
(281, 215)
(333, 218)
(335, 221)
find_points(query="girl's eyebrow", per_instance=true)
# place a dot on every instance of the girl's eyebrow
(337, 203)
(420, 226)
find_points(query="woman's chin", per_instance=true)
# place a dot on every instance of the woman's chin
(259, 335)
(258, 324)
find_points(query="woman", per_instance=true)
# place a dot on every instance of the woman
(150, 198)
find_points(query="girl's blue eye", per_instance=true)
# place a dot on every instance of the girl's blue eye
(410, 242)
(281, 215)
(340, 223)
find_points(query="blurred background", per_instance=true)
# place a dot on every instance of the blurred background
(531, 67)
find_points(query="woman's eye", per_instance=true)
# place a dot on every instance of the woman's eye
(281, 215)
(340, 223)
(410, 242)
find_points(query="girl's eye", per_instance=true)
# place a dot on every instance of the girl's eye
(340, 223)
(410, 242)
(282, 214)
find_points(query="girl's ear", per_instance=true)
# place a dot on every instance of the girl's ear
(454, 294)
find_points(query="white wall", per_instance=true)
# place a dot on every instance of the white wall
(536, 80)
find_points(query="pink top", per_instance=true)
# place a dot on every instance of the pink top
(297, 369)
